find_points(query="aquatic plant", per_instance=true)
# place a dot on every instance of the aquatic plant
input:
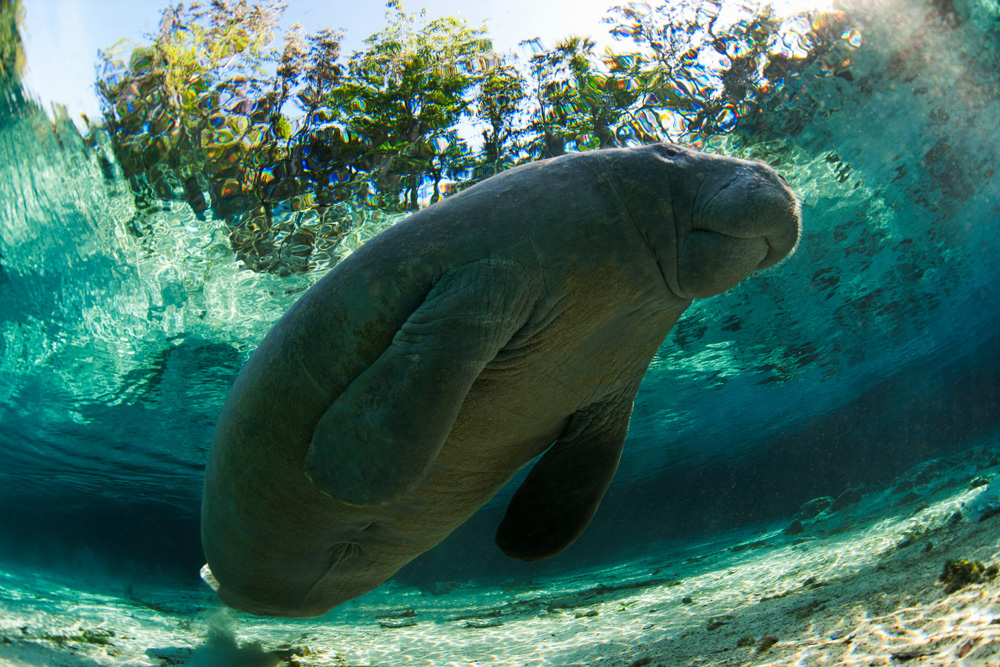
(958, 574)
(767, 643)
(96, 636)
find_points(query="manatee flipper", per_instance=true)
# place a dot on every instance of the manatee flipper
(559, 497)
(380, 436)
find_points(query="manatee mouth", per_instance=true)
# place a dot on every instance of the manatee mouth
(781, 240)
(774, 253)
(742, 223)
(710, 262)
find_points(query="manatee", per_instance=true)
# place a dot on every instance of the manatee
(516, 318)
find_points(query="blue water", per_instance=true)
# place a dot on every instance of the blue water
(874, 347)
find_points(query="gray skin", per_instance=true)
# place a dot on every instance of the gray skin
(402, 391)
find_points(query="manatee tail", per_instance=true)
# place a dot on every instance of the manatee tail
(209, 578)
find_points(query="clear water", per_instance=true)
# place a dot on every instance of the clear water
(873, 349)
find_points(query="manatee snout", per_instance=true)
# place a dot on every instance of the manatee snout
(777, 213)
(745, 219)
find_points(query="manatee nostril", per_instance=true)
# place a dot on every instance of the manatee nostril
(670, 150)
(783, 179)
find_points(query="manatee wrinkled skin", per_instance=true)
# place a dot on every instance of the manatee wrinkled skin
(405, 388)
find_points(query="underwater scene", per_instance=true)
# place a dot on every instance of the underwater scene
(323, 328)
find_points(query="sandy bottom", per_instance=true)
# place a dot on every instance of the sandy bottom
(858, 582)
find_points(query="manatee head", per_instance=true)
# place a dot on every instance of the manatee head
(722, 220)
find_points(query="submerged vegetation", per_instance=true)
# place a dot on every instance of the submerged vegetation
(285, 138)
(958, 574)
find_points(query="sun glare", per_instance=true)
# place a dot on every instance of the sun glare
(789, 7)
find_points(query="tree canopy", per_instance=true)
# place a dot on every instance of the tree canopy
(217, 110)
(11, 47)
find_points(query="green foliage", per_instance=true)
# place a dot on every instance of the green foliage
(699, 76)
(559, 77)
(582, 99)
(403, 97)
(958, 574)
(195, 99)
(501, 95)
(279, 130)
(11, 47)
(197, 109)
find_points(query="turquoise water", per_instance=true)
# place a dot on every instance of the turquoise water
(875, 347)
